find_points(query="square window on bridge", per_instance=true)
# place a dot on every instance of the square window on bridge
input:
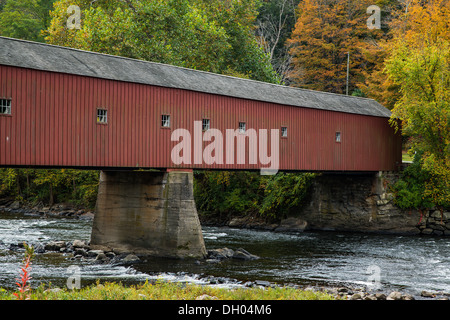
(338, 136)
(102, 116)
(5, 106)
(206, 124)
(242, 127)
(165, 121)
(284, 132)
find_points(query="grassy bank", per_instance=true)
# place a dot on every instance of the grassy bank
(168, 291)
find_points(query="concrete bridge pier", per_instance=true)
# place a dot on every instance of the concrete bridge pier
(151, 213)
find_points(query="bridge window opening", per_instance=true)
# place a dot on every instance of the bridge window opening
(242, 127)
(5, 106)
(165, 121)
(206, 124)
(102, 116)
(338, 136)
(284, 132)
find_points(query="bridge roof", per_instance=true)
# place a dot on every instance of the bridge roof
(39, 56)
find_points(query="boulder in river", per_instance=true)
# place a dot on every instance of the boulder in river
(220, 254)
(94, 253)
(55, 245)
(243, 254)
(80, 244)
(395, 295)
(225, 253)
(292, 225)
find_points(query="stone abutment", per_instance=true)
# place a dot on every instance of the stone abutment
(151, 213)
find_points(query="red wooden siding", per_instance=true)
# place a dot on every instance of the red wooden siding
(53, 123)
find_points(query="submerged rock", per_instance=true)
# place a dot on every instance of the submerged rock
(131, 258)
(220, 254)
(243, 254)
(217, 255)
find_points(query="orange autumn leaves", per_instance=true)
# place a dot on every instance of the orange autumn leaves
(405, 66)
(324, 34)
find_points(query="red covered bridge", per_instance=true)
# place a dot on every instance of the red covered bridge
(62, 107)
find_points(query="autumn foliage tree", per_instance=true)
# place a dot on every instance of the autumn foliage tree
(419, 64)
(325, 32)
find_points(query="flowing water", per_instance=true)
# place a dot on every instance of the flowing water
(408, 264)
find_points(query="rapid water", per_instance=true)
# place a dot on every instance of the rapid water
(408, 264)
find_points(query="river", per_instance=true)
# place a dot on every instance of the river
(407, 264)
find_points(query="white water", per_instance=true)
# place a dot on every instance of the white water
(409, 264)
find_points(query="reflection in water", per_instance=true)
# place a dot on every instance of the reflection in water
(411, 264)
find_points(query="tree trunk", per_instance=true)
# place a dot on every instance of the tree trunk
(51, 195)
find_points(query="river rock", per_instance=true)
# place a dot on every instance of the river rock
(395, 295)
(262, 283)
(94, 253)
(55, 245)
(86, 216)
(15, 205)
(427, 294)
(213, 261)
(356, 296)
(220, 254)
(80, 244)
(80, 252)
(292, 225)
(128, 259)
(101, 258)
(39, 248)
(237, 222)
(380, 296)
(243, 254)
(427, 231)
(407, 297)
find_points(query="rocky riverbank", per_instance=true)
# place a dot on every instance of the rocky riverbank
(412, 223)
(61, 210)
(429, 223)
(79, 250)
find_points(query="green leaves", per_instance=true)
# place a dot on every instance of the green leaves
(248, 193)
(50, 185)
(24, 19)
(410, 189)
(284, 192)
(204, 35)
(419, 64)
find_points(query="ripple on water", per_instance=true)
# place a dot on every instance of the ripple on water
(410, 263)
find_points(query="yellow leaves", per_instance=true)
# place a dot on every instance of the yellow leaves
(223, 178)
(438, 186)
(423, 21)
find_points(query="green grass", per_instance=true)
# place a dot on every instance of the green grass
(169, 291)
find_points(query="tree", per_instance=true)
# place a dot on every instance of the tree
(24, 19)
(325, 33)
(419, 63)
(275, 23)
(401, 19)
(196, 34)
